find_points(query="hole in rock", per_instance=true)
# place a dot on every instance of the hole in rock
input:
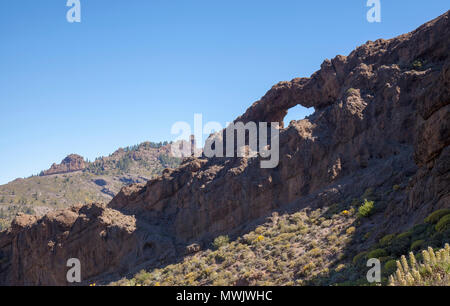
(297, 112)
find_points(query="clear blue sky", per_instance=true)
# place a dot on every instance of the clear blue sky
(132, 68)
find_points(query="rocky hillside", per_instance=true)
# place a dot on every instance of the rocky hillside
(375, 153)
(305, 247)
(76, 180)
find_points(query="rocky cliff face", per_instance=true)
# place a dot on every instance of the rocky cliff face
(381, 119)
(71, 163)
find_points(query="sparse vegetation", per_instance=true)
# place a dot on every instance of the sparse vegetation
(302, 248)
(289, 249)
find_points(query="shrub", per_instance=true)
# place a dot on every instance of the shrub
(339, 268)
(315, 252)
(390, 267)
(420, 230)
(359, 258)
(438, 238)
(352, 91)
(434, 271)
(366, 208)
(400, 244)
(387, 240)
(350, 230)
(220, 242)
(377, 253)
(404, 235)
(332, 238)
(259, 238)
(443, 224)
(417, 245)
(435, 216)
(385, 258)
(345, 213)
(417, 65)
(306, 269)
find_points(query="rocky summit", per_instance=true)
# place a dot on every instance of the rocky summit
(380, 133)
(71, 163)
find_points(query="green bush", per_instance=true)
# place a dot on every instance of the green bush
(352, 91)
(390, 267)
(437, 239)
(435, 216)
(443, 224)
(417, 65)
(220, 242)
(400, 244)
(366, 208)
(377, 253)
(387, 240)
(404, 235)
(421, 231)
(359, 258)
(417, 245)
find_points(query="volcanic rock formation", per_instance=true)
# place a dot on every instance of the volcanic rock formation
(381, 118)
(71, 163)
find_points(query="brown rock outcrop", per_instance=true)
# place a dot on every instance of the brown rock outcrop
(71, 163)
(102, 239)
(381, 118)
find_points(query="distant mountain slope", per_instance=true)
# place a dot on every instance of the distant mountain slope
(76, 180)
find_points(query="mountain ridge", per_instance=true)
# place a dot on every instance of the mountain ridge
(76, 180)
(377, 143)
